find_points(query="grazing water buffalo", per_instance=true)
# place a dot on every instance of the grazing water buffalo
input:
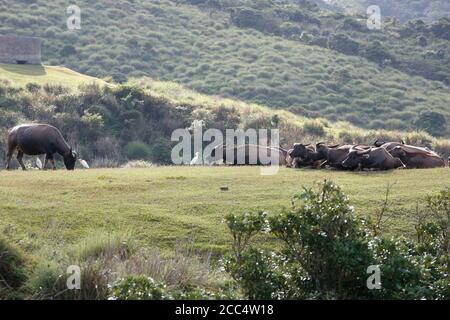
(417, 158)
(373, 158)
(37, 139)
(250, 155)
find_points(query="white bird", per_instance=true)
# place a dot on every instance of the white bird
(39, 163)
(197, 161)
(84, 163)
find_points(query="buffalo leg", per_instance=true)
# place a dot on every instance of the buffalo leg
(20, 159)
(8, 158)
(49, 157)
(45, 163)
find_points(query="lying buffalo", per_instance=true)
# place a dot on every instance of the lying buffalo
(249, 154)
(304, 156)
(327, 155)
(37, 139)
(373, 158)
(416, 157)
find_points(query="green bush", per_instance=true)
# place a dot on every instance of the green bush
(314, 128)
(433, 122)
(326, 251)
(12, 271)
(138, 288)
(137, 150)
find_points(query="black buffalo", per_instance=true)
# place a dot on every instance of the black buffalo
(331, 156)
(373, 158)
(37, 139)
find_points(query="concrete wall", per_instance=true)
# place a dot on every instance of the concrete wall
(15, 48)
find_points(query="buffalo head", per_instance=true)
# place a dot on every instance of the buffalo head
(355, 158)
(69, 159)
(398, 152)
(299, 151)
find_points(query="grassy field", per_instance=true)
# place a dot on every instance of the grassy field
(164, 205)
(23, 74)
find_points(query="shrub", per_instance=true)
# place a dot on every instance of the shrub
(49, 281)
(12, 271)
(160, 151)
(137, 150)
(431, 121)
(314, 128)
(33, 87)
(326, 251)
(138, 288)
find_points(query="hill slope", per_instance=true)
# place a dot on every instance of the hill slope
(255, 52)
(41, 75)
(109, 125)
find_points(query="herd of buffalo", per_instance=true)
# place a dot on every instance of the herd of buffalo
(380, 156)
(38, 139)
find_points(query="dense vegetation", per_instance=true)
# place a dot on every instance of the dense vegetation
(316, 63)
(327, 251)
(111, 124)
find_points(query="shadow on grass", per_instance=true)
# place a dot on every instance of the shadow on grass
(25, 69)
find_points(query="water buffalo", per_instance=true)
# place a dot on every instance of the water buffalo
(305, 156)
(327, 155)
(37, 139)
(373, 158)
(250, 155)
(417, 158)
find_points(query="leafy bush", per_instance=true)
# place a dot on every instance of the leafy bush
(12, 271)
(137, 150)
(433, 122)
(327, 250)
(138, 288)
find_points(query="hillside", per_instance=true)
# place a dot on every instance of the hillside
(109, 125)
(22, 74)
(403, 9)
(298, 57)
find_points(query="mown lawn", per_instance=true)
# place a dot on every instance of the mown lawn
(162, 206)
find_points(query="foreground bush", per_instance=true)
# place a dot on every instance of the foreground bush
(138, 288)
(326, 252)
(12, 271)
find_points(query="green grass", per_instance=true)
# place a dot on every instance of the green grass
(22, 74)
(162, 206)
